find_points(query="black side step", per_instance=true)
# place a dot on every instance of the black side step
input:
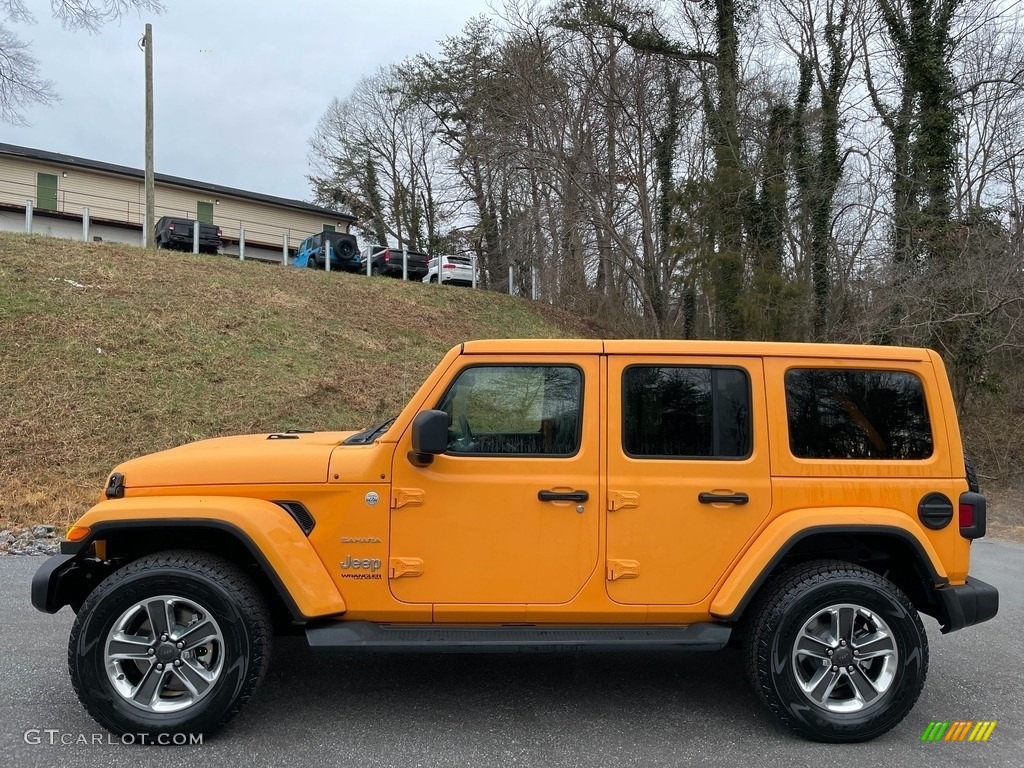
(368, 636)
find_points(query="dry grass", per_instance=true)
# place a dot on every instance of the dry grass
(163, 348)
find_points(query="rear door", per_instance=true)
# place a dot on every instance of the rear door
(688, 473)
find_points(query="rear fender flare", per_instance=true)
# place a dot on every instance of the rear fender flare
(759, 562)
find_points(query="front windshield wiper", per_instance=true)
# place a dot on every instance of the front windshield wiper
(367, 436)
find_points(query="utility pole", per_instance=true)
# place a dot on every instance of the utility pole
(149, 222)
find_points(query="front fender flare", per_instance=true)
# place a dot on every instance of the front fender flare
(267, 532)
(772, 544)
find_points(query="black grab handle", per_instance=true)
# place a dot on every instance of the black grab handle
(566, 496)
(722, 498)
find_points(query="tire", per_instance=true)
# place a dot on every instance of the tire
(433, 279)
(868, 698)
(311, 263)
(375, 271)
(972, 475)
(203, 686)
(345, 249)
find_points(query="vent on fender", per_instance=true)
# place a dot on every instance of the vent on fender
(299, 514)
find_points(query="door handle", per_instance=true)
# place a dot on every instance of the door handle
(722, 498)
(563, 496)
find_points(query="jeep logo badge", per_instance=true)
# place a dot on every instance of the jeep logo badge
(372, 498)
(367, 563)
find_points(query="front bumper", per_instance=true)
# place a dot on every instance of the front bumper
(66, 579)
(968, 604)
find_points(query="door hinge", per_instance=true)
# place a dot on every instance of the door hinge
(404, 566)
(623, 500)
(623, 569)
(406, 497)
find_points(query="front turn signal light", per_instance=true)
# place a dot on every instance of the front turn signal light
(77, 532)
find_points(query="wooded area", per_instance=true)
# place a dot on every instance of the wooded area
(842, 170)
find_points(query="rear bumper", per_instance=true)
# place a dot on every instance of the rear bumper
(395, 270)
(457, 280)
(965, 605)
(204, 242)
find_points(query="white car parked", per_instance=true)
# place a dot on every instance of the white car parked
(455, 270)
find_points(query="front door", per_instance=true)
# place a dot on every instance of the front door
(204, 211)
(688, 473)
(46, 191)
(510, 514)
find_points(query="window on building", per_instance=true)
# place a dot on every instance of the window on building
(330, 228)
(857, 414)
(681, 412)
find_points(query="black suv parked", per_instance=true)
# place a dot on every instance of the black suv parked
(388, 261)
(176, 233)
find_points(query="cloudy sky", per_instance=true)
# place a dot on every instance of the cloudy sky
(239, 115)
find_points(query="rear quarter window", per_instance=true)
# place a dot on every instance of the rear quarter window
(857, 414)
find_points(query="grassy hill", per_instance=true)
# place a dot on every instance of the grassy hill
(110, 351)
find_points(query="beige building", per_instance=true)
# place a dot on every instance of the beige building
(60, 188)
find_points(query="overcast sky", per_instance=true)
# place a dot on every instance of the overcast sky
(239, 115)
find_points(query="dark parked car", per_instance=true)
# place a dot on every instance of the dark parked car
(388, 261)
(176, 233)
(344, 252)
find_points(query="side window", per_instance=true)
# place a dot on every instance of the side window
(515, 410)
(305, 245)
(679, 412)
(857, 414)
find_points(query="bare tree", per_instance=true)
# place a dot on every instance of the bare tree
(21, 81)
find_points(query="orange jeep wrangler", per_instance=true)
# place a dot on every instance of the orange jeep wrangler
(805, 502)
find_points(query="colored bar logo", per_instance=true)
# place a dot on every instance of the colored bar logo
(958, 730)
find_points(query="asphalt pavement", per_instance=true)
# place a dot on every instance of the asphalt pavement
(545, 710)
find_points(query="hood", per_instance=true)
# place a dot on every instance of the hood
(241, 460)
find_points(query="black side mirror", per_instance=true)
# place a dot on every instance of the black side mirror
(429, 436)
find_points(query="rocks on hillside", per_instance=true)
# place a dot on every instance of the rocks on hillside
(35, 540)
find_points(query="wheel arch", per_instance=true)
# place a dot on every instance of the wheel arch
(889, 550)
(257, 535)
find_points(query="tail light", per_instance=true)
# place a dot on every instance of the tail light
(218, 232)
(449, 266)
(972, 515)
(387, 255)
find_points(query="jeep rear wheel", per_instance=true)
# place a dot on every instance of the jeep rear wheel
(174, 642)
(836, 651)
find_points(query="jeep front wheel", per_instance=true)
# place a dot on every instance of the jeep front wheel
(836, 651)
(174, 642)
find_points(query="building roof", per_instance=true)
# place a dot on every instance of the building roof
(71, 161)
